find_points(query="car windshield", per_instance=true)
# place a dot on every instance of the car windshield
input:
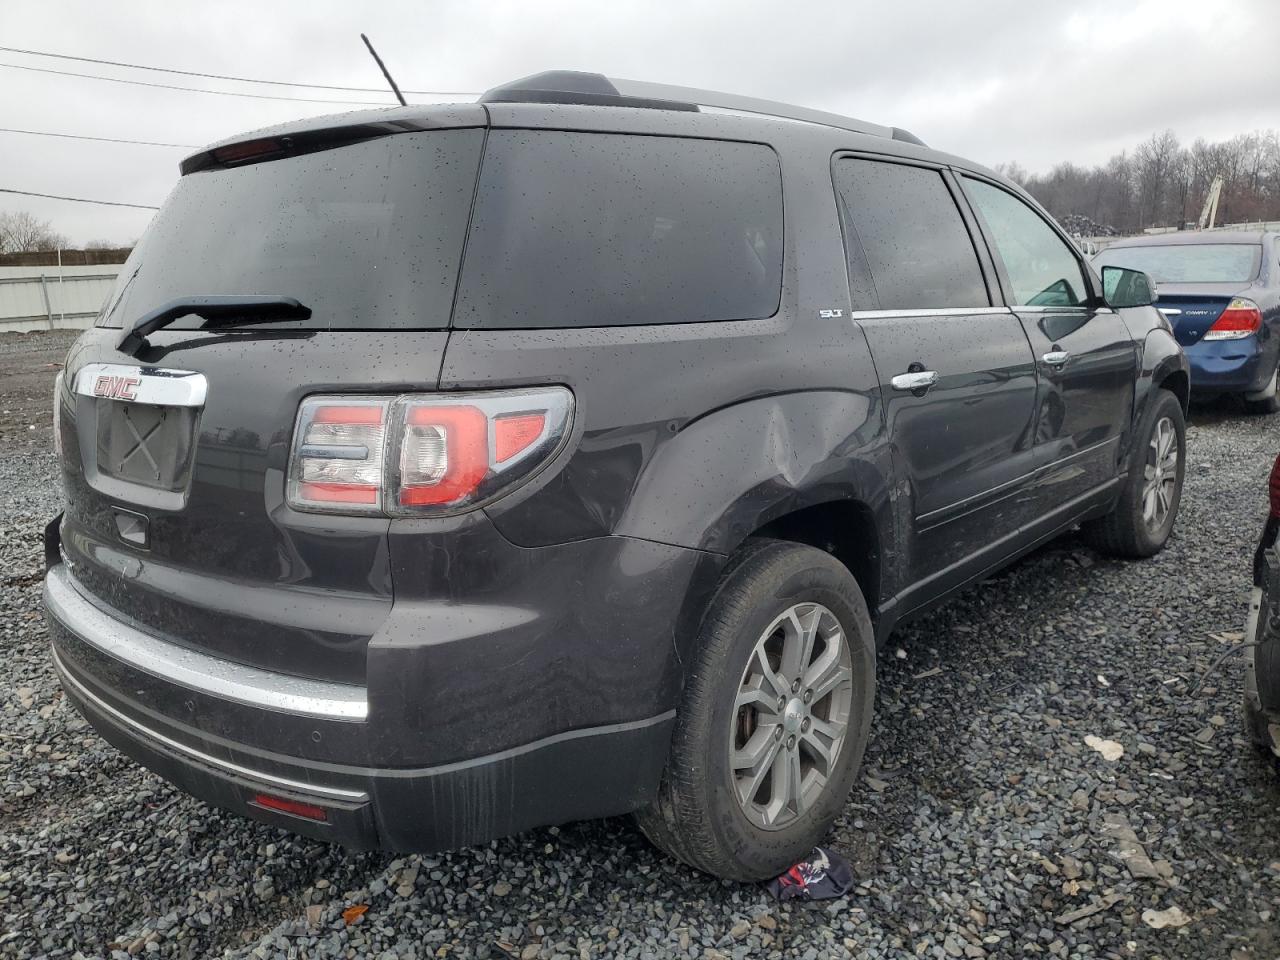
(1188, 262)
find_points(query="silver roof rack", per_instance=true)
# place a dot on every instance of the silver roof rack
(572, 86)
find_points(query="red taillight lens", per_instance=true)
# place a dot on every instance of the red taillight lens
(308, 811)
(1274, 485)
(1241, 319)
(444, 453)
(422, 454)
(338, 454)
(515, 433)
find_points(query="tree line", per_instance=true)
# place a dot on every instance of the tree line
(1163, 184)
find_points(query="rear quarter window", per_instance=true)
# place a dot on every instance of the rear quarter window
(594, 230)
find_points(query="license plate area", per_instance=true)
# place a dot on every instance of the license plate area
(138, 428)
(150, 446)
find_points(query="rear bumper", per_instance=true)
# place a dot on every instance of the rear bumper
(478, 719)
(581, 775)
(1230, 366)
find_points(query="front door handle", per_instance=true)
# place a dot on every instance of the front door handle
(1056, 358)
(915, 380)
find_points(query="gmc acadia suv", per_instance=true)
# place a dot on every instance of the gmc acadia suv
(440, 472)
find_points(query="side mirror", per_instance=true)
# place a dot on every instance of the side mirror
(1122, 287)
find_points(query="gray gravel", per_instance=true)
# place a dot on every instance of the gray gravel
(985, 826)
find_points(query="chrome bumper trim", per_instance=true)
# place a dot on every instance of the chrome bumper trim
(199, 756)
(197, 671)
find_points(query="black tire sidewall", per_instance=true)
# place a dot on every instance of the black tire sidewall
(779, 579)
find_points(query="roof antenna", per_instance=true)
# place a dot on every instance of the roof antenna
(383, 67)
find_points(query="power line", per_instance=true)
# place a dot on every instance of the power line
(223, 76)
(169, 86)
(77, 136)
(54, 196)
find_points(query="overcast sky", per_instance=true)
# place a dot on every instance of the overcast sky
(993, 80)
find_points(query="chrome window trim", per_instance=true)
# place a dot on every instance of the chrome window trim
(252, 686)
(155, 385)
(145, 732)
(938, 312)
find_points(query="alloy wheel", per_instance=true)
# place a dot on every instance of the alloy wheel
(791, 715)
(1160, 475)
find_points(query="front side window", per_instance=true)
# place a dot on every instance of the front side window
(576, 229)
(907, 244)
(1042, 270)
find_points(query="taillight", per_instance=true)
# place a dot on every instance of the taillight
(57, 415)
(1274, 485)
(338, 454)
(1241, 319)
(422, 454)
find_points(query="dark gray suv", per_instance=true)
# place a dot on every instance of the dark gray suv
(440, 472)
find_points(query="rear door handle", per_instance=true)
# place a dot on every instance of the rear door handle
(916, 380)
(1056, 358)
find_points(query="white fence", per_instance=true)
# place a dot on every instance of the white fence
(53, 298)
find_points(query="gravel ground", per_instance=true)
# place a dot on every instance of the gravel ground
(983, 824)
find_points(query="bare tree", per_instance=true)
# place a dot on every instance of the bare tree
(21, 232)
(1155, 159)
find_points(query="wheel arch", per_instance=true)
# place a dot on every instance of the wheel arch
(847, 530)
(1164, 367)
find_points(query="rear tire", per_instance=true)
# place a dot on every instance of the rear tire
(725, 805)
(1143, 517)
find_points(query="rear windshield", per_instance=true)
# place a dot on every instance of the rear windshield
(1188, 262)
(369, 236)
(593, 230)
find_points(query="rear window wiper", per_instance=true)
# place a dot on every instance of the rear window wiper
(215, 310)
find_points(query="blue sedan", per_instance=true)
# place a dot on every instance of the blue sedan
(1221, 293)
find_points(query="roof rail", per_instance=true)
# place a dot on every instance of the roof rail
(573, 86)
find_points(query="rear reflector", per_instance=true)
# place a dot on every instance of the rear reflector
(1241, 319)
(308, 811)
(422, 454)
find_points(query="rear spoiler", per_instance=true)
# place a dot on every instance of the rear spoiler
(296, 139)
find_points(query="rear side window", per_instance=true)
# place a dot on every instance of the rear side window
(369, 235)
(1043, 271)
(908, 247)
(597, 230)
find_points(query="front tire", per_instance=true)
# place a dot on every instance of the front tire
(1143, 517)
(774, 718)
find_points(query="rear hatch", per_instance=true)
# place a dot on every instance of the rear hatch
(174, 460)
